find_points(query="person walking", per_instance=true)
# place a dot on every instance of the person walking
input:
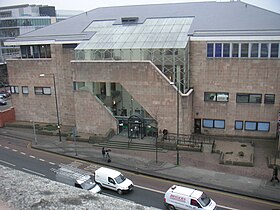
(275, 174)
(103, 153)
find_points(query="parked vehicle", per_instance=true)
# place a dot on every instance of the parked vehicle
(77, 179)
(178, 197)
(113, 180)
(2, 102)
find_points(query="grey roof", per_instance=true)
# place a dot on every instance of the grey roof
(211, 18)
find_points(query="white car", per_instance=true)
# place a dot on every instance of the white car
(2, 102)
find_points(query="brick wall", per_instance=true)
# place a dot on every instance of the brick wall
(7, 116)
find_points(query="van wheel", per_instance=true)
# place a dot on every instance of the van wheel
(170, 207)
(120, 191)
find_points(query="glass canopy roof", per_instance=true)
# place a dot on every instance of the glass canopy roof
(154, 33)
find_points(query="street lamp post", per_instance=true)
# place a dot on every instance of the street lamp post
(56, 104)
(177, 120)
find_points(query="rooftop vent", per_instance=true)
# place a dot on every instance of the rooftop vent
(129, 20)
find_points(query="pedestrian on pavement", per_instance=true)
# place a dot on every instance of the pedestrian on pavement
(275, 174)
(107, 157)
(103, 153)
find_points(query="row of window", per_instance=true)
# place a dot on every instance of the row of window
(239, 125)
(243, 50)
(240, 97)
(37, 90)
(25, 22)
(35, 51)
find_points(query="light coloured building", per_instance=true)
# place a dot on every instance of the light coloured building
(211, 68)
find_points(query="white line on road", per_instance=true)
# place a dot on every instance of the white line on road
(34, 172)
(31, 156)
(14, 150)
(146, 188)
(51, 163)
(7, 147)
(225, 207)
(42, 160)
(23, 153)
(7, 163)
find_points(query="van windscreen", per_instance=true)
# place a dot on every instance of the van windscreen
(204, 200)
(119, 179)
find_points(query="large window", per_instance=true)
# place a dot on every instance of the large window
(35, 51)
(269, 98)
(248, 98)
(257, 126)
(243, 50)
(42, 90)
(218, 97)
(208, 123)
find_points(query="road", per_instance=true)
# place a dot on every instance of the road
(148, 191)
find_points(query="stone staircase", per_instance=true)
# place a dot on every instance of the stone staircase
(130, 145)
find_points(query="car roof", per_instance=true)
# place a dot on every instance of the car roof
(108, 171)
(186, 191)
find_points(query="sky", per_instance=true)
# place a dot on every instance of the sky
(86, 5)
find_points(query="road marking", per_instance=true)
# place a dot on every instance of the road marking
(226, 207)
(51, 163)
(7, 147)
(146, 188)
(34, 172)
(14, 150)
(0, 145)
(7, 163)
(42, 160)
(31, 156)
(23, 153)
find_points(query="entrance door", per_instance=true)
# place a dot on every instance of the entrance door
(197, 126)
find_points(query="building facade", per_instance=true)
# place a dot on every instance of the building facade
(187, 68)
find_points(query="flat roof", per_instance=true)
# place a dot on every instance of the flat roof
(209, 19)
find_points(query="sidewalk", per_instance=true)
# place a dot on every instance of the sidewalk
(201, 169)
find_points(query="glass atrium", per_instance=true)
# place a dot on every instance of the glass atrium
(163, 41)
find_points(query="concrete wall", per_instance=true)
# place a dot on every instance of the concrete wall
(234, 75)
(144, 82)
(41, 108)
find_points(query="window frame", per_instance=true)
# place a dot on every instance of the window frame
(26, 88)
(208, 52)
(14, 89)
(42, 90)
(216, 96)
(213, 123)
(257, 126)
(249, 95)
(268, 101)
(242, 124)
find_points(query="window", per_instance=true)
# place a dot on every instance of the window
(263, 126)
(35, 51)
(238, 125)
(269, 98)
(274, 50)
(207, 123)
(210, 49)
(42, 90)
(254, 50)
(129, 20)
(248, 98)
(235, 50)
(264, 50)
(226, 50)
(14, 89)
(219, 97)
(218, 50)
(244, 50)
(257, 126)
(24, 90)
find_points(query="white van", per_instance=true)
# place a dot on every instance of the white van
(178, 197)
(113, 180)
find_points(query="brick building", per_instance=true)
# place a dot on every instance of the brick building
(210, 68)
